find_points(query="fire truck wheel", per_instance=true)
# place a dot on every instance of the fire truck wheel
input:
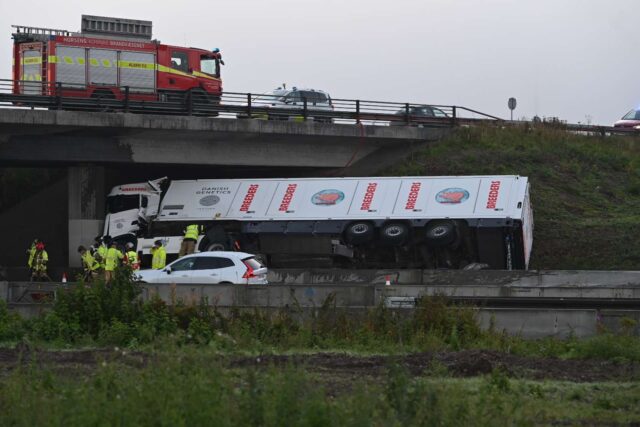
(359, 232)
(440, 233)
(394, 233)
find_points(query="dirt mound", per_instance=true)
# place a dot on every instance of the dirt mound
(11, 358)
(466, 363)
(460, 364)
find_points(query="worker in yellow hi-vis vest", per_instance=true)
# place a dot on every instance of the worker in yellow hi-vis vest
(32, 254)
(91, 266)
(112, 261)
(191, 234)
(159, 256)
(39, 268)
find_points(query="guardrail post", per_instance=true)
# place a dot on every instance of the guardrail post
(454, 115)
(126, 99)
(358, 111)
(58, 95)
(407, 117)
(189, 103)
(304, 108)
(249, 105)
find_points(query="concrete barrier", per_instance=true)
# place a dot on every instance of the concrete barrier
(540, 323)
(483, 283)
(4, 291)
(359, 290)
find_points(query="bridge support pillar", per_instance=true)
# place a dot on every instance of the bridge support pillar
(86, 207)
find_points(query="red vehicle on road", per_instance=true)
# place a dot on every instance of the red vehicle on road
(629, 120)
(109, 59)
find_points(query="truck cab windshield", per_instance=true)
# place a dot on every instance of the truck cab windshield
(210, 66)
(122, 203)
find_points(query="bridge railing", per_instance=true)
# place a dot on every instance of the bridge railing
(237, 105)
(39, 94)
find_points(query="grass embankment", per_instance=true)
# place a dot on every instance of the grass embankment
(191, 387)
(191, 365)
(585, 190)
(95, 314)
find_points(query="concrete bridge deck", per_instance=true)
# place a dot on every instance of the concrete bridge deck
(71, 137)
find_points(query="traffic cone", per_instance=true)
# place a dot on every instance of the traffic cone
(64, 277)
(387, 281)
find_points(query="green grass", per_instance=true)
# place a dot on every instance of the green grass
(185, 373)
(585, 190)
(189, 387)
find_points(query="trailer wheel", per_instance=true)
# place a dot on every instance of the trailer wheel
(358, 233)
(394, 233)
(217, 246)
(440, 233)
(208, 245)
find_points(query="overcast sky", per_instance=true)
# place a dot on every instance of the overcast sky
(574, 59)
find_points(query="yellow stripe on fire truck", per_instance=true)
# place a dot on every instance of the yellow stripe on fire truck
(136, 65)
(31, 61)
(165, 69)
(204, 75)
(32, 77)
(53, 59)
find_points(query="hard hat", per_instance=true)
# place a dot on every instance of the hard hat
(129, 245)
(40, 246)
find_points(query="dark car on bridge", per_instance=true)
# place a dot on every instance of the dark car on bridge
(419, 115)
(629, 120)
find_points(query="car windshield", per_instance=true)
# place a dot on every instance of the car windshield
(632, 115)
(271, 96)
(439, 113)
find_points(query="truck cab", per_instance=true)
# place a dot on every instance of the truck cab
(130, 208)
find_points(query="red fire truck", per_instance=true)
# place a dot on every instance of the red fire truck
(110, 58)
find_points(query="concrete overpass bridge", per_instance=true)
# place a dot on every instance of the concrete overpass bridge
(101, 149)
(72, 137)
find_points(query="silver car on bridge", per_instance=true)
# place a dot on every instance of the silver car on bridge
(293, 99)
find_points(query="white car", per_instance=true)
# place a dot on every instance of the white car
(291, 99)
(210, 268)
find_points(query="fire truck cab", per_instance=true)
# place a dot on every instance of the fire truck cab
(112, 58)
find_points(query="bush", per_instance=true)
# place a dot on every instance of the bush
(11, 325)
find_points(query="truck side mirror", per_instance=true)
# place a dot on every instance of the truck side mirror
(167, 270)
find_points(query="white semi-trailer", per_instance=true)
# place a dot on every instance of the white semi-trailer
(382, 222)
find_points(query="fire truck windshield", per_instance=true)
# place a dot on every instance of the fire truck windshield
(210, 66)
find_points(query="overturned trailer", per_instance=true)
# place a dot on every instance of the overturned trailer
(390, 222)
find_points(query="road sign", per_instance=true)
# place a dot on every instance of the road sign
(512, 106)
